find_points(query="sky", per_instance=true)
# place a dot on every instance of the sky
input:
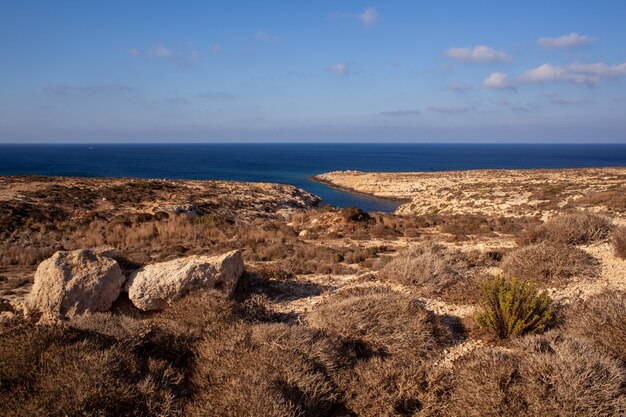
(305, 71)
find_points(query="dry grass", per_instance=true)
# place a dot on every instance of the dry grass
(382, 322)
(431, 270)
(573, 228)
(540, 376)
(549, 265)
(178, 236)
(613, 200)
(398, 386)
(108, 367)
(601, 320)
(266, 370)
(619, 242)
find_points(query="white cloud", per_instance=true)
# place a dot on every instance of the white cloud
(369, 17)
(577, 73)
(217, 48)
(266, 37)
(339, 69)
(479, 53)
(498, 80)
(565, 41)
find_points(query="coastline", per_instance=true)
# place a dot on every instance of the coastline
(350, 190)
(508, 192)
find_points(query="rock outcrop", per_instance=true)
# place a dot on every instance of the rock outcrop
(72, 283)
(155, 286)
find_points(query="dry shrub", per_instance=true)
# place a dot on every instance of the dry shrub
(391, 387)
(382, 321)
(614, 200)
(573, 228)
(551, 265)
(354, 214)
(199, 310)
(434, 271)
(600, 320)
(266, 370)
(543, 375)
(619, 242)
(103, 366)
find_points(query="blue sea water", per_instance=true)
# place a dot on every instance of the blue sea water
(294, 163)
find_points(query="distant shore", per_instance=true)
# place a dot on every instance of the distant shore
(346, 189)
(494, 191)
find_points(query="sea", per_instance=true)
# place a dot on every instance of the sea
(294, 163)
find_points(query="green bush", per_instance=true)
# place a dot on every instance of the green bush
(511, 308)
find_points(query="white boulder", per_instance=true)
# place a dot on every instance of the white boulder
(155, 286)
(72, 283)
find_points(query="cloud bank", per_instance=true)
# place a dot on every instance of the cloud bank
(565, 41)
(590, 74)
(499, 81)
(478, 53)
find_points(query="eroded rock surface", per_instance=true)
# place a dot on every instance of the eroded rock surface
(73, 283)
(154, 286)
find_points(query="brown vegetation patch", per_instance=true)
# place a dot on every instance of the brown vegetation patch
(382, 321)
(542, 375)
(601, 320)
(619, 242)
(107, 367)
(573, 228)
(266, 370)
(398, 386)
(613, 200)
(549, 265)
(432, 270)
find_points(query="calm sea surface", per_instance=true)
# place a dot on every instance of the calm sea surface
(294, 163)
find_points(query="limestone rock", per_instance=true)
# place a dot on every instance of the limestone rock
(72, 283)
(155, 286)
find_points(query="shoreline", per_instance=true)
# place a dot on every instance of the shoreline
(509, 192)
(341, 188)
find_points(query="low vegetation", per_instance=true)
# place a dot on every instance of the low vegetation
(601, 321)
(432, 270)
(572, 228)
(338, 312)
(382, 322)
(513, 308)
(550, 265)
(542, 375)
(619, 242)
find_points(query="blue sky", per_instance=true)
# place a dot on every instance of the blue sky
(444, 71)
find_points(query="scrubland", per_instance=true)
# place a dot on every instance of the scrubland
(338, 312)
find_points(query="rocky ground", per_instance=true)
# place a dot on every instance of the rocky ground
(494, 192)
(559, 228)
